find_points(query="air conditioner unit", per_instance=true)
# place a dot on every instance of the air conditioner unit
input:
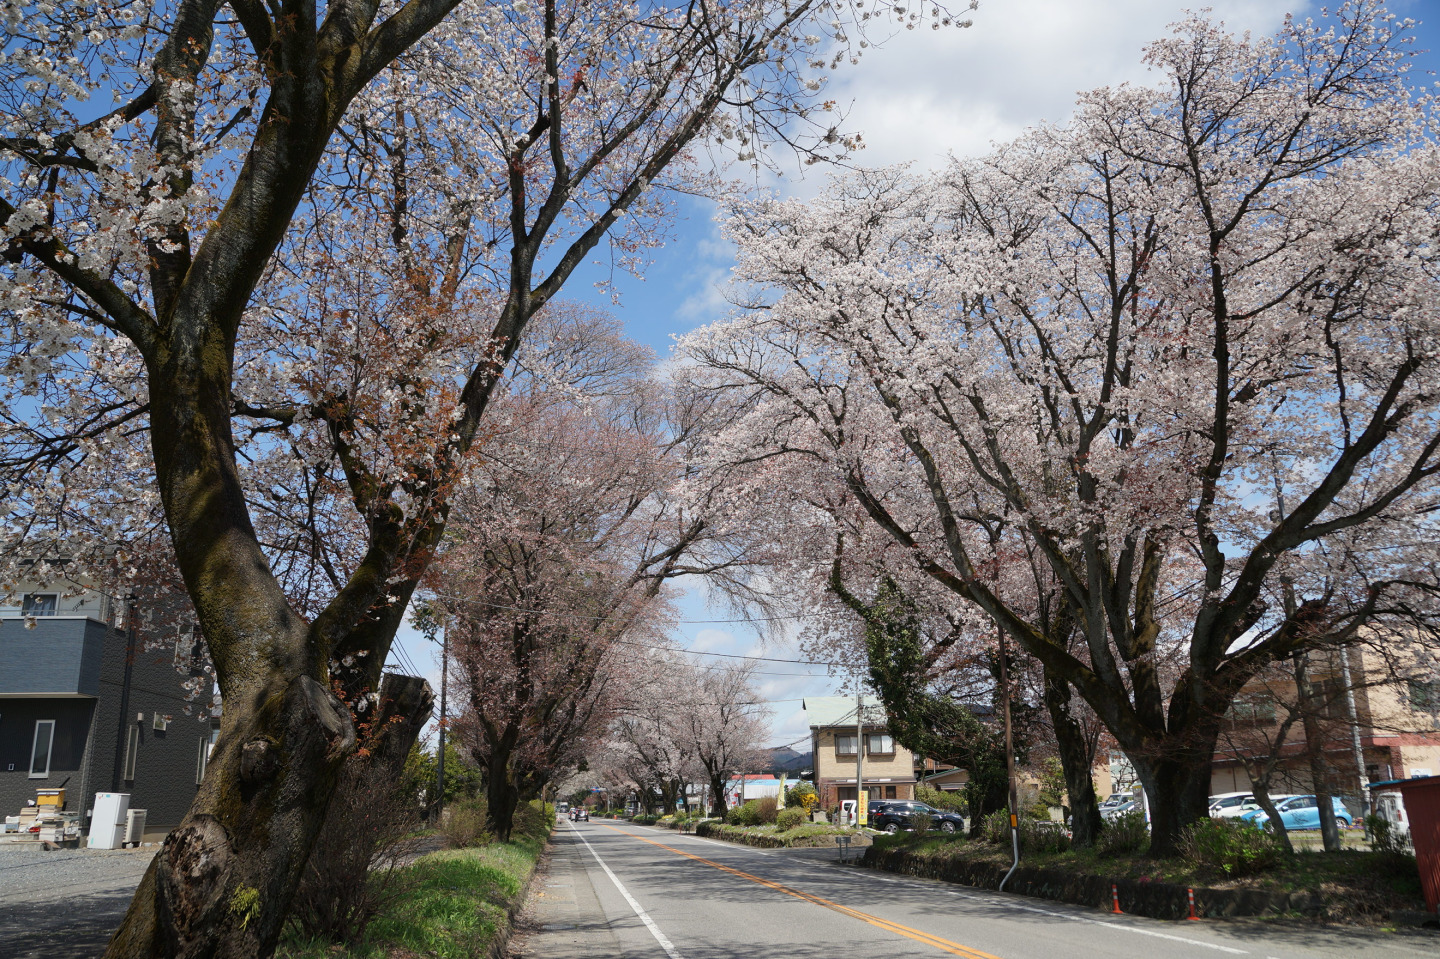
(160, 723)
(134, 826)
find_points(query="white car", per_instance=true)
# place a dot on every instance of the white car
(1229, 805)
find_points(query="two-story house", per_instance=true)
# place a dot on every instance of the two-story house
(90, 704)
(836, 739)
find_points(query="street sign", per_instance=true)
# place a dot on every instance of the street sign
(864, 808)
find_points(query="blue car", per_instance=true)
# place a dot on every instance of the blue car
(1300, 812)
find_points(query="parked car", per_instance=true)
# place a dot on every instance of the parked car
(1300, 812)
(1230, 805)
(1130, 805)
(893, 815)
(1113, 801)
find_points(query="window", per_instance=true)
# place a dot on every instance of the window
(889, 792)
(1252, 712)
(207, 747)
(880, 743)
(40, 748)
(39, 604)
(132, 748)
(1425, 695)
(845, 745)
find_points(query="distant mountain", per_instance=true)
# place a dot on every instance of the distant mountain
(783, 759)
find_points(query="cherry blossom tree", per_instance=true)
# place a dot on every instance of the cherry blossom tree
(721, 726)
(266, 291)
(562, 539)
(1111, 340)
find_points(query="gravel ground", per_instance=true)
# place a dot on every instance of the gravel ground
(64, 904)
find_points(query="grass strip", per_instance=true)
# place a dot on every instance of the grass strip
(1354, 885)
(456, 902)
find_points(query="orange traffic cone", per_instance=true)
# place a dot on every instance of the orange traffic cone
(1115, 898)
(1192, 917)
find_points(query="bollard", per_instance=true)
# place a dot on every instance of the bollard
(1115, 897)
(1192, 917)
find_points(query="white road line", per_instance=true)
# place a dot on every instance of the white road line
(665, 943)
(1110, 924)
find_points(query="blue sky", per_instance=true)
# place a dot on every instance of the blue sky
(919, 96)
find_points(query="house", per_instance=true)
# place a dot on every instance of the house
(835, 743)
(1391, 706)
(96, 696)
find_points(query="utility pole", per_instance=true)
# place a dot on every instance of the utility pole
(444, 687)
(859, 749)
(1355, 736)
(1009, 758)
(123, 727)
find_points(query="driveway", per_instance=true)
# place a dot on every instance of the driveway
(65, 904)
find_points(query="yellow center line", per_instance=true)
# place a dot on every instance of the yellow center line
(944, 945)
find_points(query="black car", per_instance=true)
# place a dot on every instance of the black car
(893, 815)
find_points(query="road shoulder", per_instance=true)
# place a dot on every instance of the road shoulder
(562, 917)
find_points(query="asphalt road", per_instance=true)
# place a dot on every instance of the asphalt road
(642, 893)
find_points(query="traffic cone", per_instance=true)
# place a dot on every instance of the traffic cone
(1192, 917)
(1115, 898)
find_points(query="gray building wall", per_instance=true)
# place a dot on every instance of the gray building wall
(61, 654)
(67, 755)
(89, 727)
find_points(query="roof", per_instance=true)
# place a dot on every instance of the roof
(824, 711)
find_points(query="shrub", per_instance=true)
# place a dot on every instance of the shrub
(995, 828)
(744, 815)
(921, 822)
(940, 799)
(1229, 846)
(1126, 833)
(351, 874)
(767, 808)
(802, 795)
(1043, 835)
(1382, 835)
(464, 824)
(789, 818)
(645, 819)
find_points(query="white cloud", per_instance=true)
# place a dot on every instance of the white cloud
(925, 93)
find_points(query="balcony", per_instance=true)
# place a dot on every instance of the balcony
(60, 656)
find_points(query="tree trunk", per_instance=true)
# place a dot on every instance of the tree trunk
(1315, 751)
(717, 796)
(1076, 759)
(1276, 825)
(1177, 791)
(222, 880)
(501, 796)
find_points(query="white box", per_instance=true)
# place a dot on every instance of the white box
(107, 825)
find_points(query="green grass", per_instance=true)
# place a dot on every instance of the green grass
(455, 904)
(1359, 883)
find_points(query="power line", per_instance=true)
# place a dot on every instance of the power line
(591, 619)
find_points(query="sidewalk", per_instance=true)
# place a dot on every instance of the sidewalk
(562, 918)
